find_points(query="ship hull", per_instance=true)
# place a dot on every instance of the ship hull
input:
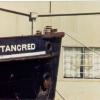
(22, 67)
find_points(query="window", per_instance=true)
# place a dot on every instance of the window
(80, 62)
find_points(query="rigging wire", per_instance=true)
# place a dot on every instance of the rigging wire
(78, 41)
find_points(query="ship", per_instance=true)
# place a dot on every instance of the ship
(29, 65)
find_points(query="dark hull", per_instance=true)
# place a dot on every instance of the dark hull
(20, 77)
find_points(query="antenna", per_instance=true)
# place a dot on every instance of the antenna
(50, 7)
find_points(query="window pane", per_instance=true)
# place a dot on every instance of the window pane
(88, 63)
(77, 58)
(96, 63)
(72, 62)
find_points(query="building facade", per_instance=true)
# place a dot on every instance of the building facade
(79, 72)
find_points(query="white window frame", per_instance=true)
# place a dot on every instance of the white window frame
(88, 77)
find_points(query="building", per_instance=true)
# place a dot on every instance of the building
(79, 72)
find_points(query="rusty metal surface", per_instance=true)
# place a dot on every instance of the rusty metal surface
(48, 35)
(54, 35)
(51, 35)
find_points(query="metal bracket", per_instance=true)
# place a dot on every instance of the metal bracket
(33, 16)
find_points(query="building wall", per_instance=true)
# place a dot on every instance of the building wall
(83, 28)
(80, 27)
(86, 30)
(12, 24)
